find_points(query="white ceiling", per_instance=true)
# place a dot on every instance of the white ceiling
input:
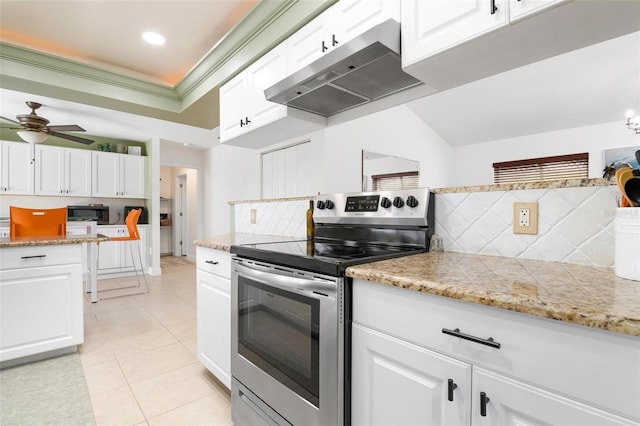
(107, 33)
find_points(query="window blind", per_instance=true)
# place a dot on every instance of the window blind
(560, 167)
(393, 181)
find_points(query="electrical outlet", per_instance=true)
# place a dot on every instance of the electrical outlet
(525, 218)
(253, 216)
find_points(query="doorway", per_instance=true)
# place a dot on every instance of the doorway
(179, 211)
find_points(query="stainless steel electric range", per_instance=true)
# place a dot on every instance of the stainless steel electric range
(291, 306)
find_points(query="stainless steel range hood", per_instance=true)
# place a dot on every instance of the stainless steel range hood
(362, 70)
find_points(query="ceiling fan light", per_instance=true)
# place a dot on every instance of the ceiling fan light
(32, 136)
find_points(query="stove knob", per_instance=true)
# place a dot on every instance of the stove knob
(385, 202)
(412, 201)
(398, 202)
(329, 204)
(320, 205)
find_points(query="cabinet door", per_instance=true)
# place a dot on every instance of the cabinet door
(397, 383)
(278, 182)
(262, 74)
(267, 175)
(41, 309)
(429, 27)
(105, 177)
(309, 42)
(50, 173)
(77, 171)
(291, 172)
(214, 324)
(519, 9)
(233, 107)
(514, 403)
(110, 252)
(354, 17)
(16, 176)
(132, 174)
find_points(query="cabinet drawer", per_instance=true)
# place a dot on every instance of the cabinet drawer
(586, 364)
(35, 256)
(214, 261)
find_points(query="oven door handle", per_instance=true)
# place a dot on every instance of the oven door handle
(285, 282)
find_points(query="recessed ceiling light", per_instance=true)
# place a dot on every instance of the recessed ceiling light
(153, 38)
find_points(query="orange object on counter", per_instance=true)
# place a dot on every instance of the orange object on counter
(24, 222)
(624, 202)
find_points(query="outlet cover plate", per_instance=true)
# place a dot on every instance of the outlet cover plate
(532, 208)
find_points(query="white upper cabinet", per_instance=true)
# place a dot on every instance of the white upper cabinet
(16, 168)
(62, 171)
(429, 27)
(117, 175)
(340, 23)
(244, 108)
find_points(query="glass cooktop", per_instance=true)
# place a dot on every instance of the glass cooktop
(322, 256)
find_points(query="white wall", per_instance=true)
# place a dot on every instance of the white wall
(230, 174)
(472, 164)
(397, 132)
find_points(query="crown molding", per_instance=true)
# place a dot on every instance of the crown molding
(266, 25)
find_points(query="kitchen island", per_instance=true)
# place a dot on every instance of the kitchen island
(41, 294)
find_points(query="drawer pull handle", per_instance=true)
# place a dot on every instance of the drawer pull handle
(211, 262)
(450, 388)
(456, 332)
(484, 400)
(39, 256)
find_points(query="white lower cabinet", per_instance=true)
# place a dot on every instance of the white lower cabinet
(40, 299)
(406, 370)
(115, 256)
(214, 312)
(398, 383)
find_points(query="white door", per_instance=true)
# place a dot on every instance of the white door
(508, 402)
(214, 324)
(180, 216)
(132, 174)
(50, 173)
(429, 27)
(262, 74)
(16, 176)
(397, 383)
(105, 178)
(77, 168)
(309, 42)
(233, 107)
(354, 17)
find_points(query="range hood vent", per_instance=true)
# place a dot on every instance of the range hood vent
(362, 70)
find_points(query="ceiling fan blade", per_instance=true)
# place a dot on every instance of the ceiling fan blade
(67, 128)
(9, 120)
(70, 137)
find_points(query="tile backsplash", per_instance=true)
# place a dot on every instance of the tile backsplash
(575, 225)
(283, 218)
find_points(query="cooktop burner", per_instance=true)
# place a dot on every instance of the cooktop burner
(329, 257)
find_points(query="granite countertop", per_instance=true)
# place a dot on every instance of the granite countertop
(224, 242)
(592, 297)
(51, 240)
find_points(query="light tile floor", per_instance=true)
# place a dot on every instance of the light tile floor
(139, 355)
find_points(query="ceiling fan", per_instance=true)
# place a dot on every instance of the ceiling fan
(35, 129)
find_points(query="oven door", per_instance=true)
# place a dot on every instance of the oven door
(286, 342)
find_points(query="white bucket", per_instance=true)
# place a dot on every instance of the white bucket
(627, 242)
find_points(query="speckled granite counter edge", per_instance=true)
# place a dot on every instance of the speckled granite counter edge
(310, 197)
(567, 183)
(556, 311)
(75, 239)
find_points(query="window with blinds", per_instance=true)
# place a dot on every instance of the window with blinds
(393, 181)
(572, 166)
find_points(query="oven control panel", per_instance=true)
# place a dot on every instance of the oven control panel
(400, 207)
